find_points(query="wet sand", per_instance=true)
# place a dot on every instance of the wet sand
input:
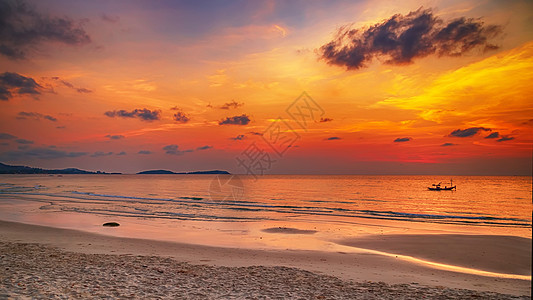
(494, 253)
(288, 230)
(95, 264)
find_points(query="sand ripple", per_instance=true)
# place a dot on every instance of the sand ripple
(37, 271)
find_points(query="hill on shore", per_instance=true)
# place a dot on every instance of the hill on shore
(8, 169)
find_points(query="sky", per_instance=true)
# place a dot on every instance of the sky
(268, 87)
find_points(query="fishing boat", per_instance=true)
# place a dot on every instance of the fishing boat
(438, 187)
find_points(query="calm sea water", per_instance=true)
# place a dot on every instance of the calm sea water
(491, 204)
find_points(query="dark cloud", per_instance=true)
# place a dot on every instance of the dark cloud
(144, 152)
(110, 19)
(6, 136)
(143, 114)
(468, 132)
(23, 115)
(4, 144)
(39, 153)
(83, 90)
(493, 135)
(101, 153)
(13, 83)
(255, 133)
(232, 104)
(505, 138)
(61, 127)
(323, 120)
(403, 38)
(23, 29)
(171, 149)
(204, 148)
(181, 117)
(115, 136)
(70, 85)
(332, 138)
(122, 153)
(236, 120)
(23, 141)
(240, 137)
(402, 140)
(174, 150)
(528, 122)
(448, 144)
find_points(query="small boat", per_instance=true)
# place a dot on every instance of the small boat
(438, 187)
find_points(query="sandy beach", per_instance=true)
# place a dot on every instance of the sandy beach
(46, 261)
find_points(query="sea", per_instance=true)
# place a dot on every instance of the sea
(268, 212)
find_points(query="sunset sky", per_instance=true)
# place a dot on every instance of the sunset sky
(397, 87)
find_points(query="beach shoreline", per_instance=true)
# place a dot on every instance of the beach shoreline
(357, 266)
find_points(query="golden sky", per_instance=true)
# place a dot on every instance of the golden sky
(417, 87)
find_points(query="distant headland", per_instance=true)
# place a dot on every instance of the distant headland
(8, 169)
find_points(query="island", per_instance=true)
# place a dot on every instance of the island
(8, 169)
(163, 172)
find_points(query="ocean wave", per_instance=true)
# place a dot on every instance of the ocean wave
(198, 207)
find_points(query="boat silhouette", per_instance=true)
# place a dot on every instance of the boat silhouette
(438, 187)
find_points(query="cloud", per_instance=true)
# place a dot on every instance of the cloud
(39, 153)
(528, 122)
(402, 38)
(110, 19)
(101, 153)
(122, 153)
(6, 136)
(36, 116)
(204, 148)
(255, 133)
(240, 137)
(23, 141)
(14, 83)
(181, 117)
(83, 90)
(402, 140)
(144, 152)
(23, 29)
(114, 137)
(493, 135)
(173, 149)
(332, 138)
(323, 120)
(232, 104)
(77, 89)
(448, 144)
(236, 120)
(143, 114)
(505, 138)
(468, 132)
